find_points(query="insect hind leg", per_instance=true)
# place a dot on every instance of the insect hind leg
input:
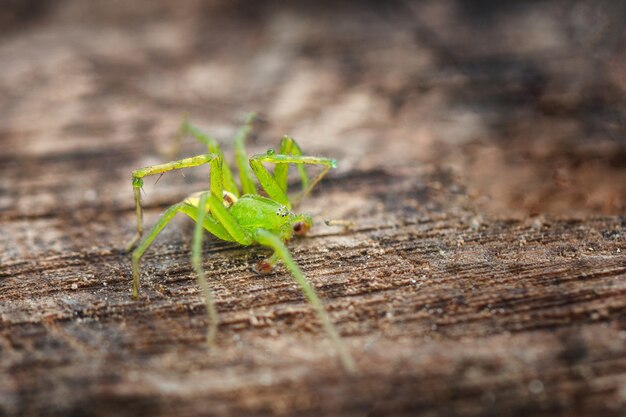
(272, 241)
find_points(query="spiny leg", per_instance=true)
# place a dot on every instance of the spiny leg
(207, 222)
(269, 182)
(226, 223)
(165, 218)
(222, 225)
(241, 156)
(217, 185)
(196, 261)
(213, 147)
(288, 146)
(269, 239)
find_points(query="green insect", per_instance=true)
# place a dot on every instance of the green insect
(246, 218)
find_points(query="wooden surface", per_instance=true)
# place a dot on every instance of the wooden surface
(483, 166)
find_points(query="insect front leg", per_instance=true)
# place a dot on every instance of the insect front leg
(217, 184)
(269, 182)
(272, 241)
(165, 218)
(289, 146)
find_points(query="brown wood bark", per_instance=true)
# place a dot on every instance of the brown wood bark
(486, 270)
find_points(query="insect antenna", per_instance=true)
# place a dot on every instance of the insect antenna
(346, 224)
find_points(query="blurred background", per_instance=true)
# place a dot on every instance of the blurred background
(523, 104)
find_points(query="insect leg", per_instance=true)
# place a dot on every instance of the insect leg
(266, 265)
(224, 226)
(217, 184)
(227, 221)
(196, 261)
(269, 182)
(245, 174)
(213, 147)
(288, 146)
(270, 240)
(165, 218)
(206, 221)
(209, 223)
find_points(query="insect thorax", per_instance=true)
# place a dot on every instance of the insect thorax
(253, 211)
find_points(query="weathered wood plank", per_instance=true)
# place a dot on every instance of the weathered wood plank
(485, 273)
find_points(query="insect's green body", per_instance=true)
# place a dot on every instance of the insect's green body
(253, 212)
(246, 219)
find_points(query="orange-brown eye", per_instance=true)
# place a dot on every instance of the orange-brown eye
(300, 228)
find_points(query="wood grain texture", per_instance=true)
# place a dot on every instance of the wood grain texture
(486, 271)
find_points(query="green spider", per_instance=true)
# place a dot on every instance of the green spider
(246, 218)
